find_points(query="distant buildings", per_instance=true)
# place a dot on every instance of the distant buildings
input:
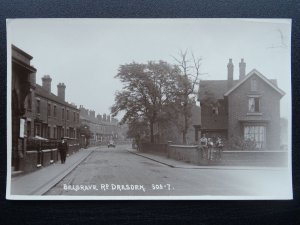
(102, 127)
(243, 110)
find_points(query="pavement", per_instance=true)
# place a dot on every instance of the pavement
(184, 165)
(40, 181)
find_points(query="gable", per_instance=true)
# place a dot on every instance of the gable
(254, 72)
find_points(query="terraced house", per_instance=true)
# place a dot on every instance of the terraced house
(38, 116)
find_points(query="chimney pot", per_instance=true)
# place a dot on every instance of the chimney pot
(46, 80)
(230, 68)
(242, 65)
(61, 90)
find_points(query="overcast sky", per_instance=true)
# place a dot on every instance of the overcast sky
(85, 53)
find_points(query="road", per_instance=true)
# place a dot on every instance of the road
(117, 172)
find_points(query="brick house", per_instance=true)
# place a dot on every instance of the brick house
(244, 109)
(37, 113)
(102, 127)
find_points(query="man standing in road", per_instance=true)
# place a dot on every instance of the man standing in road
(63, 149)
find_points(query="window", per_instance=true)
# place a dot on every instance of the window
(54, 110)
(49, 109)
(67, 114)
(63, 113)
(28, 128)
(49, 132)
(74, 116)
(37, 130)
(256, 134)
(254, 84)
(253, 104)
(215, 110)
(54, 132)
(38, 106)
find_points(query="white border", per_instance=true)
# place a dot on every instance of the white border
(204, 197)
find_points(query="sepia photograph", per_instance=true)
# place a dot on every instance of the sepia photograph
(149, 109)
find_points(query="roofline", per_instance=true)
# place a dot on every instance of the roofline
(21, 51)
(46, 96)
(251, 73)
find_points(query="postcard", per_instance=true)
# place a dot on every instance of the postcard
(189, 109)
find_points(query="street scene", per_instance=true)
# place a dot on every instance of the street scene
(122, 172)
(149, 109)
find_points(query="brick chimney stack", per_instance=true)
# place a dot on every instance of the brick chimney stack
(242, 65)
(61, 89)
(230, 74)
(47, 83)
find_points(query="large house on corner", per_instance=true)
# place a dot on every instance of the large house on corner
(245, 109)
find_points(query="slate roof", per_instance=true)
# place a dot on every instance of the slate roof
(39, 90)
(271, 83)
(217, 87)
(220, 87)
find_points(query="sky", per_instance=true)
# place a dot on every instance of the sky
(85, 54)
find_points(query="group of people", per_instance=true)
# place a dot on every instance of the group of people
(207, 145)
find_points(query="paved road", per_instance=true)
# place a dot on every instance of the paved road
(117, 172)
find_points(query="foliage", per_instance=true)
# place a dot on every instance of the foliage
(85, 130)
(239, 143)
(148, 89)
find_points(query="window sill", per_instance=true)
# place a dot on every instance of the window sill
(254, 114)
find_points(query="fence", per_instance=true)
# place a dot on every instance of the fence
(43, 153)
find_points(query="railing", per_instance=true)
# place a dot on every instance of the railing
(38, 145)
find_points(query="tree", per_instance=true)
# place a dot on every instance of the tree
(187, 83)
(147, 89)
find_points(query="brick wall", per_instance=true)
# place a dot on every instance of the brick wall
(269, 109)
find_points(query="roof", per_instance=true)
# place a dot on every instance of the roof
(216, 87)
(219, 88)
(39, 90)
(253, 72)
(21, 52)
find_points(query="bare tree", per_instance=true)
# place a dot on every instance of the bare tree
(188, 82)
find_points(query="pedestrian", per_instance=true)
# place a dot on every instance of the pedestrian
(63, 149)
(219, 145)
(210, 146)
(203, 145)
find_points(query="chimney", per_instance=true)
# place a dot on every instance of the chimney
(99, 117)
(108, 118)
(242, 65)
(92, 114)
(104, 117)
(61, 87)
(47, 83)
(230, 74)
